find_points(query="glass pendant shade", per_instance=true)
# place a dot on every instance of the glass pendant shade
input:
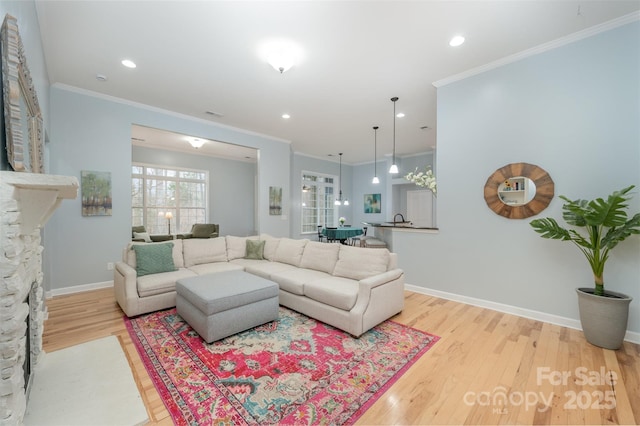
(393, 168)
(375, 180)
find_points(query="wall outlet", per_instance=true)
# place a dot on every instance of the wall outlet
(110, 266)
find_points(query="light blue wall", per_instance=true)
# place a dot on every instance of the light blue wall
(231, 186)
(94, 133)
(575, 112)
(362, 175)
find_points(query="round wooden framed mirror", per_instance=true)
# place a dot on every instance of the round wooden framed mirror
(519, 190)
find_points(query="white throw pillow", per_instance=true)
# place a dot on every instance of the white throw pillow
(142, 235)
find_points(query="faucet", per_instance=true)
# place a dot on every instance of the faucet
(394, 218)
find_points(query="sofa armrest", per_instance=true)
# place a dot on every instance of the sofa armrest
(381, 279)
(125, 287)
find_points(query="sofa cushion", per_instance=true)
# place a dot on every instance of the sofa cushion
(265, 269)
(358, 263)
(320, 256)
(293, 280)
(150, 285)
(340, 293)
(237, 246)
(153, 258)
(129, 255)
(290, 251)
(212, 268)
(204, 250)
(255, 249)
(270, 246)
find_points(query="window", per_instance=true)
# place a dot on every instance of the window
(317, 201)
(156, 191)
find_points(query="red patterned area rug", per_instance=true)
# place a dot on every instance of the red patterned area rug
(295, 370)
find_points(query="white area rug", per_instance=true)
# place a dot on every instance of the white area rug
(87, 384)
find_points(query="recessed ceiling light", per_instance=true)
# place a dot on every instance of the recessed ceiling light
(286, 116)
(400, 114)
(101, 77)
(128, 63)
(214, 113)
(456, 41)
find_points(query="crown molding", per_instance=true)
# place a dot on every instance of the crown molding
(571, 38)
(110, 98)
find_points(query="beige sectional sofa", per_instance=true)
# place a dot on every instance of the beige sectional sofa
(350, 288)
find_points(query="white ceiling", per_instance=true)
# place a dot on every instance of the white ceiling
(197, 56)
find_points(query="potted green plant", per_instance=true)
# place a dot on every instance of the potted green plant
(603, 313)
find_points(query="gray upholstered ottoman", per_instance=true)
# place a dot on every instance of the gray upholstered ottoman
(225, 303)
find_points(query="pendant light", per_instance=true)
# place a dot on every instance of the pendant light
(375, 179)
(394, 166)
(338, 201)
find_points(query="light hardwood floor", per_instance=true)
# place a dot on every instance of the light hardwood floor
(546, 373)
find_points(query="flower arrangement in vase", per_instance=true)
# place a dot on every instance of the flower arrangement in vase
(342, 220)
(424, 179)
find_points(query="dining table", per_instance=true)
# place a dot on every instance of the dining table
(342, 233)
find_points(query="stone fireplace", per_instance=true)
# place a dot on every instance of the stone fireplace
(27, 201)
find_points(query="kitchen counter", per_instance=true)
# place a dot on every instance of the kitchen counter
(400, 226)
(390, 234)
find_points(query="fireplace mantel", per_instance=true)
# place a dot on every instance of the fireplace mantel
(27, 201)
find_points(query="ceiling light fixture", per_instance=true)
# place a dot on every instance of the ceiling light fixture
(128, 63)
(394, 167)
(339, 201)
(456, 41)
(375, 179)
(400, 115)
(281, 54)
(286, 116)
(195, 142)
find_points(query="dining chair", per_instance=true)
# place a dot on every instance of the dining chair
(321, 237)
(359, 239)
(331, 236)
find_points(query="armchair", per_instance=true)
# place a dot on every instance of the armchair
(139, 233)
(202, 230)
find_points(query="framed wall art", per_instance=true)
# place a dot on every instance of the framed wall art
(96, 193)
(275, 200)
(372, 203)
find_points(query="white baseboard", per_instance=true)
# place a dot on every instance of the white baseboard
(630, 336)
(77, 289)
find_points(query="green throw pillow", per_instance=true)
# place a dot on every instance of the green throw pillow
(154, 258)
(255, 249)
